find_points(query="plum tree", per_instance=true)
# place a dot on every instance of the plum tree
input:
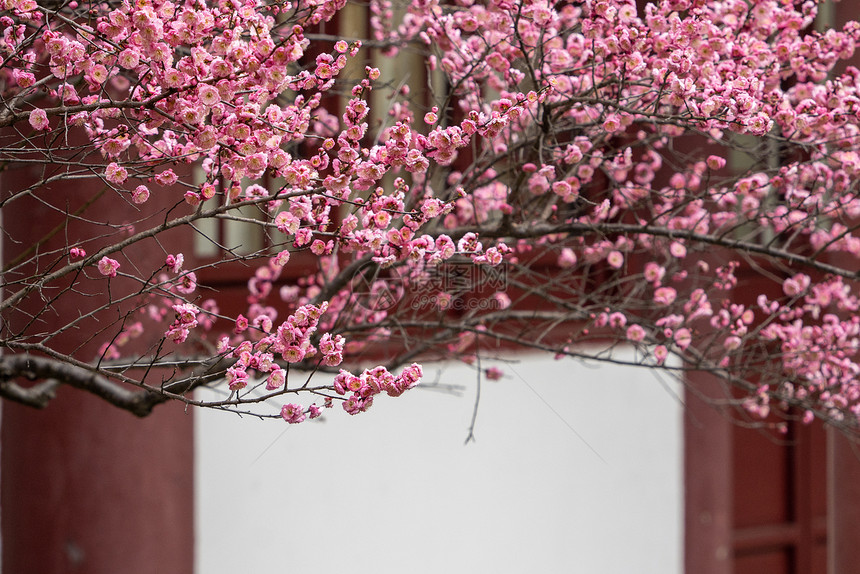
(679, 176)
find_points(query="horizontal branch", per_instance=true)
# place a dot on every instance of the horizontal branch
(54, 373)
(46, 279)
(10, 117)
(608, 228)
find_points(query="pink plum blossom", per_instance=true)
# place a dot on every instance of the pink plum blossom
(115, 173)
(635, 333)
(108, 267)
(140, 194)
(39, 119)
(293, 413)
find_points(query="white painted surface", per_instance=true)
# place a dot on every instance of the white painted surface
(591, 484)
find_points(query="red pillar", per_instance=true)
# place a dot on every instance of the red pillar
(708, 480)
(86, 487)
(844, 505)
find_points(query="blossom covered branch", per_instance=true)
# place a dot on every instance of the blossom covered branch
(570, 176)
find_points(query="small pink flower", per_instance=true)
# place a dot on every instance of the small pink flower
(432, 208)
(635, 333)
(411, 376)
(276, 379)
(683, 338)
(257, 162)
(342, 381)
(281, 258)
(615, 259)
(77, 252)
(716, 162)
(303, 237)
(665, 295)
(612, 124)
(494, 373)
(39, 119)
(502, 300)
(237, 378)
(108, 266)
(177, 333)
(264, 323)
(795, 285)
(353, 405)
(677, 250)
(469, 243)
(241, 324)
(166, 177)
(99, 73)
(292, 413)
(293, 354)
(567, 258)
(318, 247)
(174, 262)
(731, 343)
(24, 79)
(208, 95)
(129, 59)
(115, 173)
(382, 219)
(329, 344)
(654, 273)
(187, 283)
(140, 194)
(287, 223)
(192, 198)
(186, 313)
(660, 354)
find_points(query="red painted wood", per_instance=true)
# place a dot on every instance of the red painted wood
(755, 500)
(844, 519)
(762, 474)
(84, 486)
(778, 500)
(88, 488)
(771, 562)
(707, 471)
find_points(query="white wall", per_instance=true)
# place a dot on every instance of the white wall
(575, 469)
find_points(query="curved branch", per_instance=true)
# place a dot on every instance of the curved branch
(606, 228)
(10, 117)
(55, 373)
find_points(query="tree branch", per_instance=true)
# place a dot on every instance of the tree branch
(55, 373)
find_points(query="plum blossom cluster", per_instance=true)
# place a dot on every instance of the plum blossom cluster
(606, 200)
(362, 388)
(291, 343)
(186, 319)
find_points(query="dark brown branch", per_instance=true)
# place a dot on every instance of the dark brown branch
(9, 117)
(607, 228)
(54, 373)
(38, 396)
